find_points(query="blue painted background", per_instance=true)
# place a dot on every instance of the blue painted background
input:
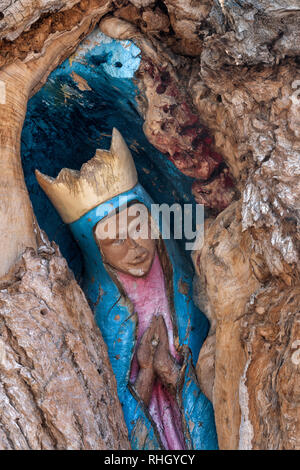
(63, 128)
(65, 125)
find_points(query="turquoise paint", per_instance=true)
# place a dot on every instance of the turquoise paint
(117, 322)
(65, 125)
(63, 128)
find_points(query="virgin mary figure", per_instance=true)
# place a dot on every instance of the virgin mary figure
(140, 291)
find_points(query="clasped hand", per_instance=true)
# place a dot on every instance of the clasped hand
(155, 360)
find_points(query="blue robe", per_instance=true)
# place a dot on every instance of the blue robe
(117, 320)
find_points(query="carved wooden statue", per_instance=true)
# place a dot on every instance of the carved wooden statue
(140, 290)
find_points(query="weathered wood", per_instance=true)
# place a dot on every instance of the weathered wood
(271, 335)
(243, 83)
(255, 128)
(19, 81)
(57, 388)
(228, 280)
(17, 16)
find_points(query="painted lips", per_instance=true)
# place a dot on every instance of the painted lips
(140, 259)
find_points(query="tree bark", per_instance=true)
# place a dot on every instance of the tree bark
(251, 113)
(57, 388)
(217, 79)
(19, 80)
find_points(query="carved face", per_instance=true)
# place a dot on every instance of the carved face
(125, 241)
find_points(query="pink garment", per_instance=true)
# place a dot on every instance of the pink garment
(148, 295)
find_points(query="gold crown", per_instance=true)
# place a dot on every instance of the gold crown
(107, 174)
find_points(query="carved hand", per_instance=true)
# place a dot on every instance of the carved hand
(154, 359)
(165, 366)
(145, 357)
(148, 345)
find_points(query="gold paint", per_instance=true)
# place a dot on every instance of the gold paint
(106, 175)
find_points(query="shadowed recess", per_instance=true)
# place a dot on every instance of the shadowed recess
(73, 115)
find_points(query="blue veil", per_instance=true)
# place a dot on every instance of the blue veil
(118, 323)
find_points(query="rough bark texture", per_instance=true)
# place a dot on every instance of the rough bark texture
(32, 43)
(228, 281)
(252, 112)
(271, 330)
(17, 16)
(219, 82)
(20, 80)
(57, 389)
(172, 123)
(244, 88)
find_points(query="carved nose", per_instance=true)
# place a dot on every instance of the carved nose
(133, 243)
(138, 249)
